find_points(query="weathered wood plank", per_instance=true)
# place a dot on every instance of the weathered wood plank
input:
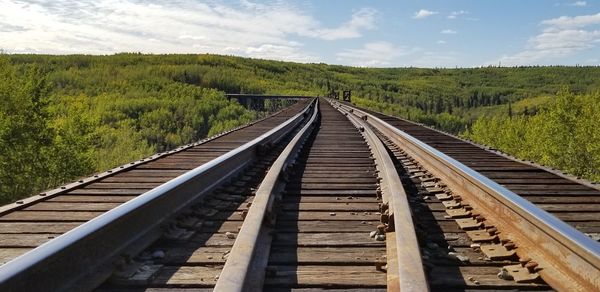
(327, 226)
(121, 185)
(45, 216)
(326, 276)
(320, 255)
(335, 193)
(91, 199)
(59, 206)
(108, 192)
(36, 227)
(332, 186)
(198, 276)
(195, 256)
(7, 254)
(347, 206)
(24, 240)
(324, 215)
(326, 239)
(330, 199)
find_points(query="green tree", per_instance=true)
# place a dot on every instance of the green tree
(25, 138)
(563, 135)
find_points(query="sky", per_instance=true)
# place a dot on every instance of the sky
(384, 33)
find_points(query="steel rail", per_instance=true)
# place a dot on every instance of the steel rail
(569, 260)
(245, 267)
(84, 181)
(405, 267)
(82, 258)
(571, 177)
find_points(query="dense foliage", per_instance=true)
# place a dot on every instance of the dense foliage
(62, 120)
(448, 98)
(565, 134)
(64, 116)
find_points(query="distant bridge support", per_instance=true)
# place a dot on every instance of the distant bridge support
(257, 101)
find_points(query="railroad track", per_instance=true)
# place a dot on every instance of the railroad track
(497, 205)
(334, 198)
(31, 222)
(570, 199)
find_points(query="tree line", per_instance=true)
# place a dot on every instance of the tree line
(68, 116)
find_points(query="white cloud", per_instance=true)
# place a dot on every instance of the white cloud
(565, 41)
(375, 54)
(578, 3)
(448, 31)
(362, 19)
(183, 26)
(577, 21)
(385, 54)
(423, 13)
(456, 14)
(192, 37)
(560, 37)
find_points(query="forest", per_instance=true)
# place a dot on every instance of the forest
(59, 122)
(64, 117)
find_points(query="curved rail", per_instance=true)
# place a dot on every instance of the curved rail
(244, 271)
(69, 261)
(569, 259)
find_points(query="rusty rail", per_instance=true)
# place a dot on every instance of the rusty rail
(244, 271)
(405, 267)
(83, 257)
(567, 258)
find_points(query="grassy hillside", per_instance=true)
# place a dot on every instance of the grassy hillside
(67, 116)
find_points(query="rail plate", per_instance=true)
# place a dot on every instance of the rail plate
(468, 223)
(497, 251)
(481, 236)
(521, 274)
(458, 213)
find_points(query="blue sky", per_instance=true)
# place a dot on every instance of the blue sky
(349, 32)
